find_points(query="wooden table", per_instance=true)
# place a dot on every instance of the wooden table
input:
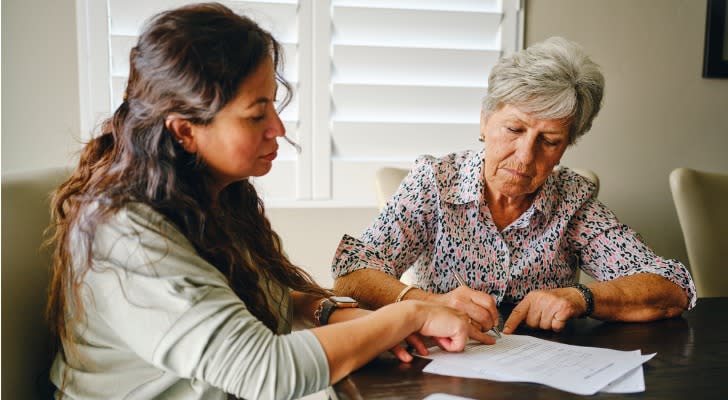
(691, 362)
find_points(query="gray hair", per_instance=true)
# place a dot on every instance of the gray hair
(552, 79)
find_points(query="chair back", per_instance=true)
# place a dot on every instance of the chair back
(387, 182)
(701, 201)
(590, 176)
(26, 357)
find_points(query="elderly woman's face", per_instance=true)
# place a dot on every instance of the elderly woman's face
(520, 150)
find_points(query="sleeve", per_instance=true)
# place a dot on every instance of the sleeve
(177, 312)
(403, 231)
(609, 249)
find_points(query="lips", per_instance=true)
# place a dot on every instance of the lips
(518, 173)
(270, 156)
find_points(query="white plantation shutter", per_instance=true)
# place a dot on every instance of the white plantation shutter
(376, 82)
(105, 64)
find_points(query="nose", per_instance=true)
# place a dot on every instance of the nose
(526, 149)
(276, 127)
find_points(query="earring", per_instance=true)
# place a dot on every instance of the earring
(180, 141)
(481, 139)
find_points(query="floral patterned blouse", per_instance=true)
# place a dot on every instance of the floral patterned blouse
(437, 222)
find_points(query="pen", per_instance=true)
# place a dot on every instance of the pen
(462, 282)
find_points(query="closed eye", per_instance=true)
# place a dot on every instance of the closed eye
(550, 142)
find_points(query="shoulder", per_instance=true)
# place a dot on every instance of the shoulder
(449, 168)
(572, 187)
(137, 237)
(449, 163)
(137, 220)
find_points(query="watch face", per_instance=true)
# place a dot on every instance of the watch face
(344, 302)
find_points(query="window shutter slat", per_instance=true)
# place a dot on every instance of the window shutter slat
(406, 103)
(412, 66)
(423, 28)
(400, 142)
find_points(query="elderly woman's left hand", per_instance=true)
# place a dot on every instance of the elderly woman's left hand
(546, 309)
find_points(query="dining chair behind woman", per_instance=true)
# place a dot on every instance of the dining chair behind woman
(700, 201)
(25, 265)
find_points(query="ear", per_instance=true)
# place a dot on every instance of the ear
(483, 123)
(183, 132)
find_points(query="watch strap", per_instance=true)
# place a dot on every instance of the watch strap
(324, 311)
(326, 307)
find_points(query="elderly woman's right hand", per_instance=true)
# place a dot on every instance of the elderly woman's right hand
(479, 306)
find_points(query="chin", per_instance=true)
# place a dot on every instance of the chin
(258, 172)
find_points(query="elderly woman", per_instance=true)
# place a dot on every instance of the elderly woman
(511, 221)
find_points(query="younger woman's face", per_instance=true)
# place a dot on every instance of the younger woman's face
(240, 141)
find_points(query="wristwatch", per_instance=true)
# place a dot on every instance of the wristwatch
(328, 305)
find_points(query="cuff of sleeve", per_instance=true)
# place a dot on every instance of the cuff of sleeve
(675, 272)
(353, 254)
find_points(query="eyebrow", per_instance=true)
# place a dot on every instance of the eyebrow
(516, 118)
(560, 133)
(259, 100)
(262, 99)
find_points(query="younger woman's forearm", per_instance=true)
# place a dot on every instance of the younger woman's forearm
(350, 344)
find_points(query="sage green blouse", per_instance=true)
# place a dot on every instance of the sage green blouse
(162, 323)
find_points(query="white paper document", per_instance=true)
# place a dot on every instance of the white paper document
(520, 358)
(445, 396)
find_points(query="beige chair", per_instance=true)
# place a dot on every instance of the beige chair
(591, 176)
(701, 200)
(25, 266)
(388, 180)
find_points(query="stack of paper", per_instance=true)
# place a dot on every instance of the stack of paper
(519, 358)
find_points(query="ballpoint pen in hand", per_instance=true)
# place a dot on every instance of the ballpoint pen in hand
(462, 282)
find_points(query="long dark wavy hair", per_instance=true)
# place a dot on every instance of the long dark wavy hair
(191, 62)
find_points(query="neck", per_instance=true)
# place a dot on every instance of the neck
(505, 209)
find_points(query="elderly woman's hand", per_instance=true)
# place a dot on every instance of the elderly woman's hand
(546, 309)
(479, 306)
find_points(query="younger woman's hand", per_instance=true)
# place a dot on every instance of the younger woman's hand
(450, 328)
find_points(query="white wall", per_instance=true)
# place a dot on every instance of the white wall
(40, 103)
(659, 113)
(310, 236)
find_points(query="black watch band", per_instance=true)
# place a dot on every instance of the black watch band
(327, 306)
(588, 298)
